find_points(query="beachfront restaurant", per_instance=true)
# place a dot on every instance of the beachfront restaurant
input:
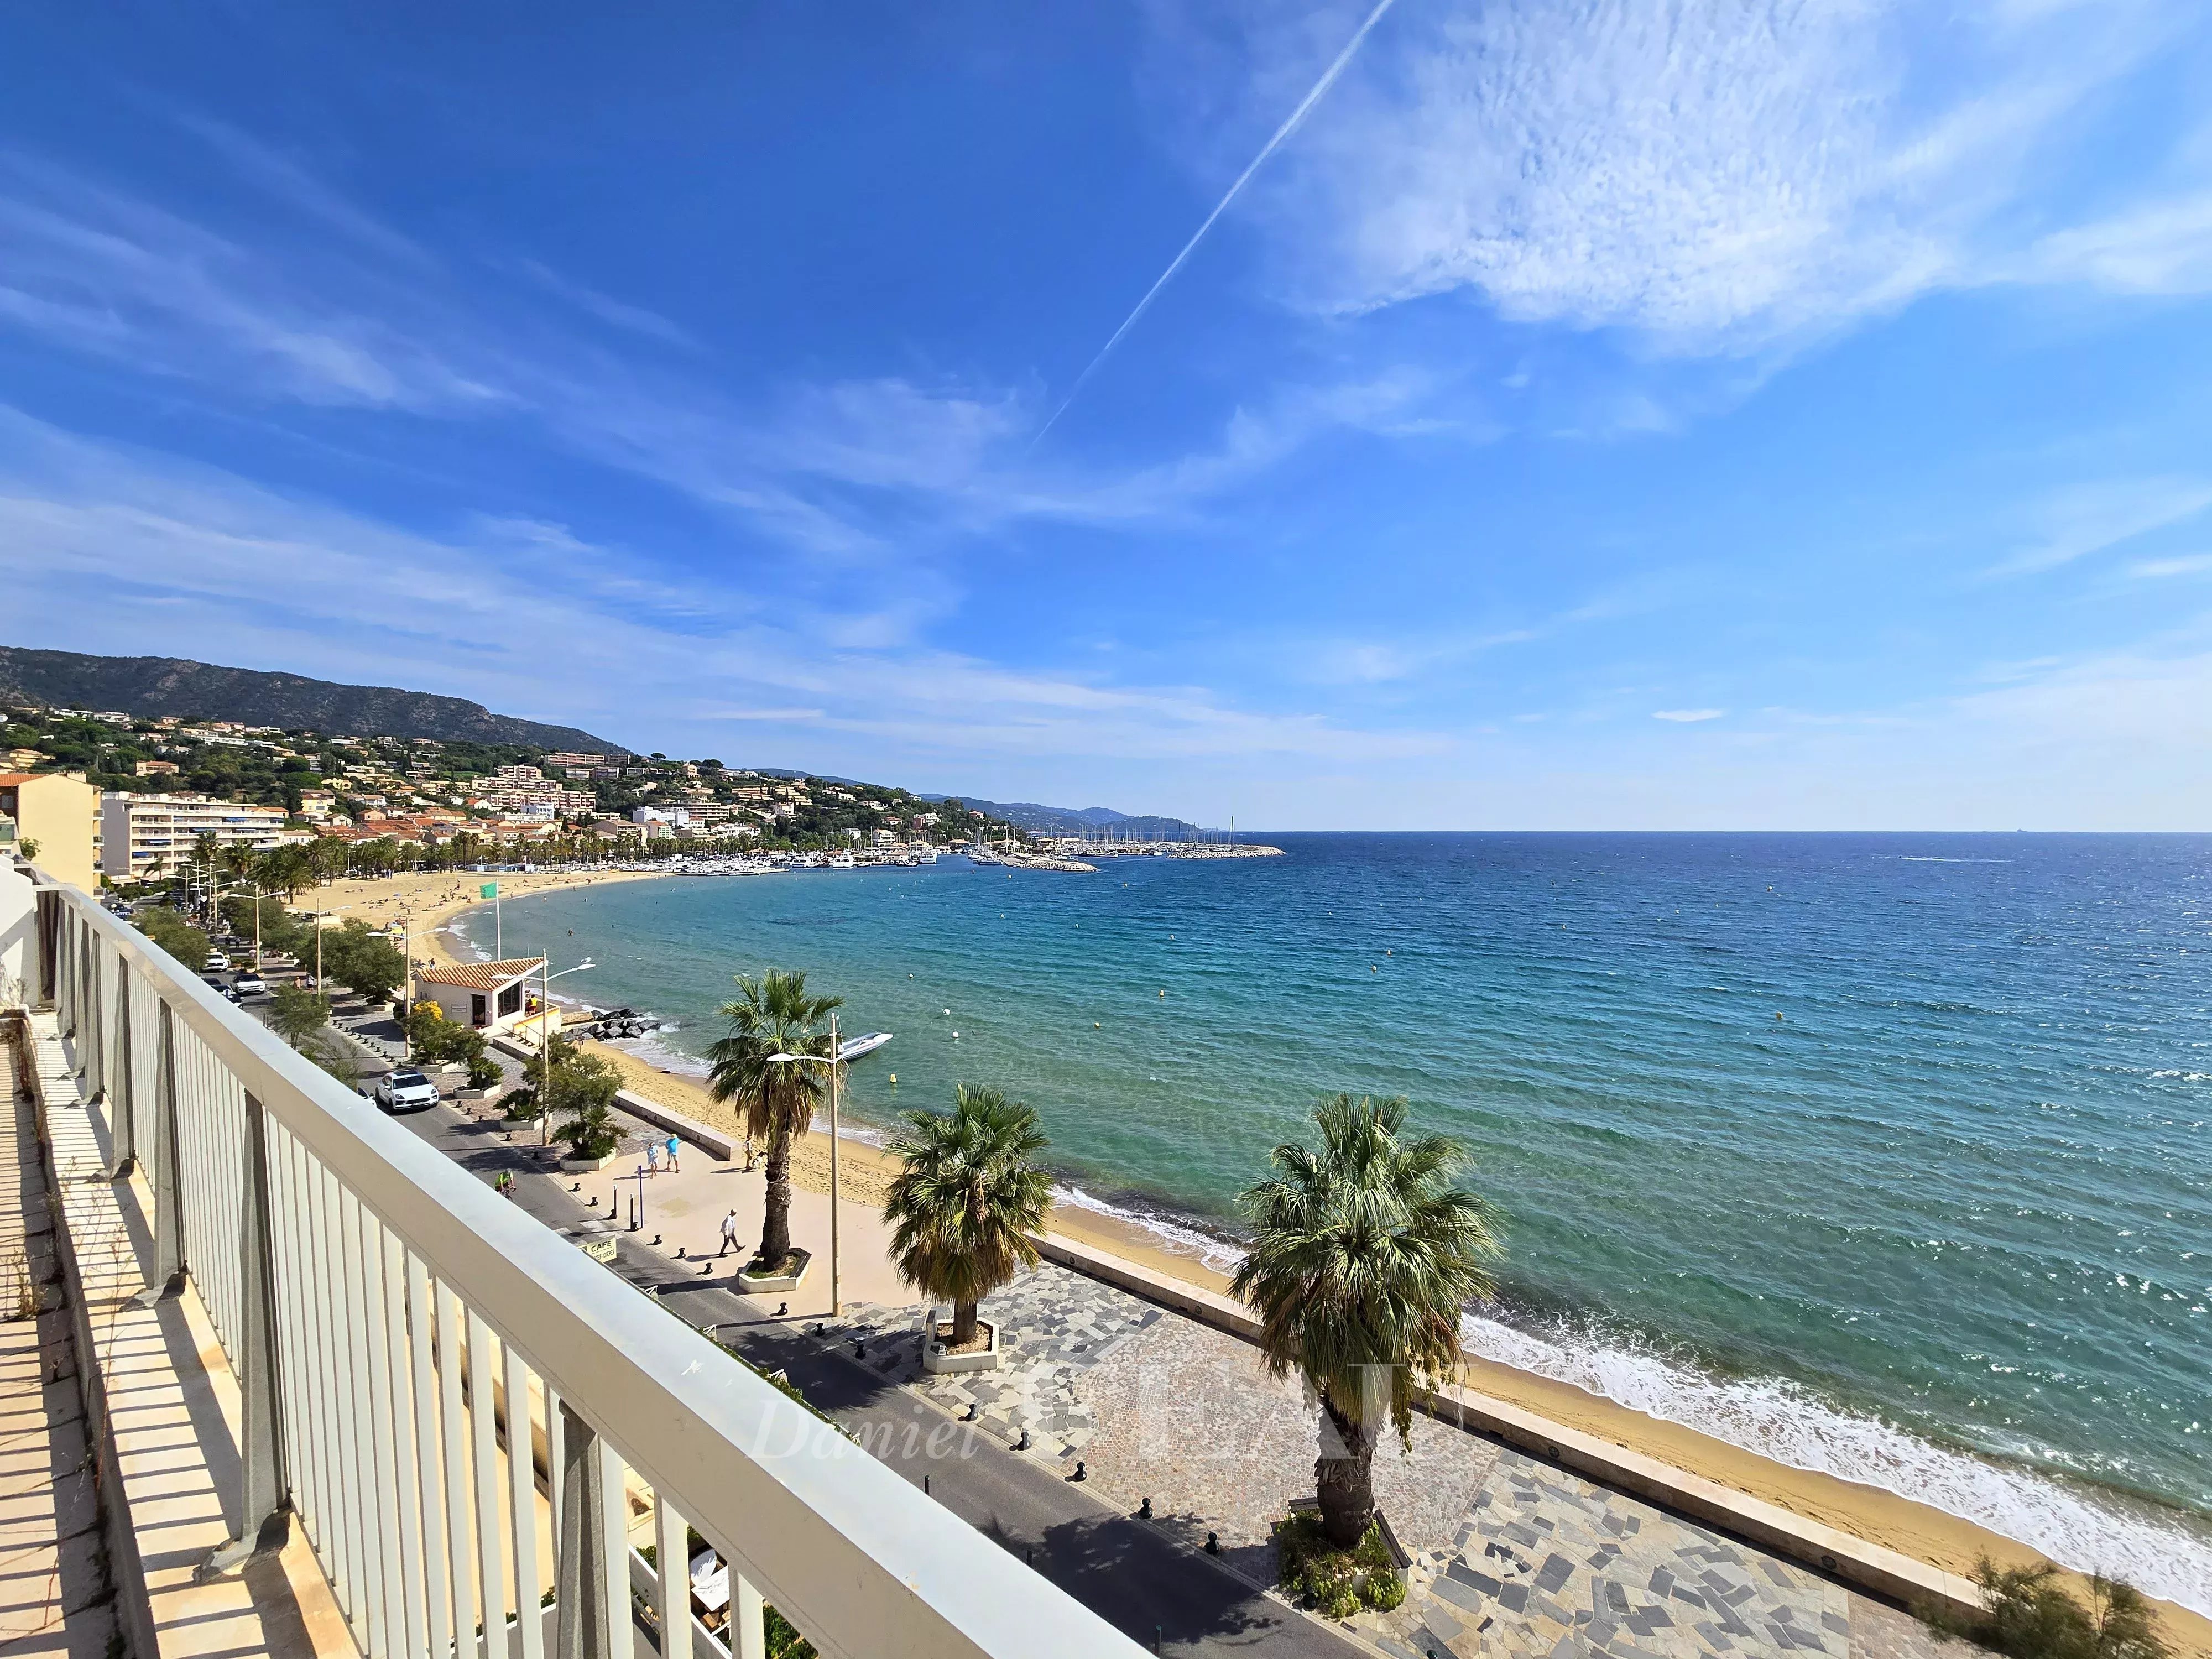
(491, 996)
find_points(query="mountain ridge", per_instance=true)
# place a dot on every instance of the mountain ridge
(254, 696)
(1039, 819)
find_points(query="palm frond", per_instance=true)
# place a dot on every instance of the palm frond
(1363, 1258)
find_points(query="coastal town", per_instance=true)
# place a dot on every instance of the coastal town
(125, 799)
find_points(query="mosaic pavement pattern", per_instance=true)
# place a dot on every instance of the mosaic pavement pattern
(1052, 1326)
(1548, 1566)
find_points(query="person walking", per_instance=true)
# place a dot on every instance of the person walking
(729, 1235)
(674, 1168)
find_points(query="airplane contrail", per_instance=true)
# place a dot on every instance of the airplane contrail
(1289, 126)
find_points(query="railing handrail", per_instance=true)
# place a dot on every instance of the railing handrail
(858, 1559)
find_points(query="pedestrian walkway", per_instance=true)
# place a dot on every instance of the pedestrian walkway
(1053, 1325)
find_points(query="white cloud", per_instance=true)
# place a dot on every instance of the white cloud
(2087, 519)
(1718, 177)
(2192, 564)
(113, 552)
(1687, 716)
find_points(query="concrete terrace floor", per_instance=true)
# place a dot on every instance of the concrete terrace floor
(55, 1598)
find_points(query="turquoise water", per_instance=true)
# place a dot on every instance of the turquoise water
(1944, 1226)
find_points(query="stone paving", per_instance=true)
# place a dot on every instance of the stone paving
(1513, 1559)
(1053, 1326)
(1547, 1564)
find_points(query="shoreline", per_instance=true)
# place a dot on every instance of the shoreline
(1873, 1514)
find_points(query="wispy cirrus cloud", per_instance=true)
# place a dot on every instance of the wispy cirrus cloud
(2091, 518)
(1720, 179)
(143, 552)
(859, 469)
(1688, 716)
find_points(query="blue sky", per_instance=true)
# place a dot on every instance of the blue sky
(1610, 415)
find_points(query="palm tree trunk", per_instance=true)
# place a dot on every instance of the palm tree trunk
(1344, 1477)
(963, 1323)
(776, 1224)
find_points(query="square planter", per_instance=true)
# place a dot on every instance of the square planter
(588, 1165)
(938, 1358)
(756, 1284)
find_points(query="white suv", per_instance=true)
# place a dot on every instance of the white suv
(406, 1092)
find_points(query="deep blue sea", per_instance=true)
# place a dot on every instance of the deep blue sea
(1889, 1155)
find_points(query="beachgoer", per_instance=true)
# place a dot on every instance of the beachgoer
(652, 1158)
(674, 1168)
(729, 1235)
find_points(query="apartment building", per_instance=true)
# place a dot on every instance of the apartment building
(59, 813)
(146, 837)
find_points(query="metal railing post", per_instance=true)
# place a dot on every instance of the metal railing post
(590, 1596)
(50, 940)
(166, 1170)
(261, 1451)
(123, 1102)
(91, 1029)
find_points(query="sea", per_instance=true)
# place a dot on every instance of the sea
(1884, 1155)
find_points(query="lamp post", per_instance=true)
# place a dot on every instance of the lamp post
(545, 1042)
(836, 1305)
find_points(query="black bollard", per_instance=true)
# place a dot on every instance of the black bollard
(1081, 1472)
(1022, 1444)
(782, 1308)
(1145, 1511)
(1213, 1544)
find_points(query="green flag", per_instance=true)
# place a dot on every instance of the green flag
(490, 890)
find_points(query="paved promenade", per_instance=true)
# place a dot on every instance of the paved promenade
(1515, 1559)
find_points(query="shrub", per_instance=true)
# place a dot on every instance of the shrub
(590, 1130)
(1337, 1582)
(484, 1072)
(2028, 1614)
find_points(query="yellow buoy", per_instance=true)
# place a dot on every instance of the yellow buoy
(895, 1077)
(1163, 994)
(1094, 1026)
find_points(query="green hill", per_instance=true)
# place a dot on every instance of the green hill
(199, 690)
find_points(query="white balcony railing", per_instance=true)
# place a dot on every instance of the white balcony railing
(401, 1337)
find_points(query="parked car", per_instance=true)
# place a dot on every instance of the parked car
(216, 962)
(406, 1092)
(250, 984)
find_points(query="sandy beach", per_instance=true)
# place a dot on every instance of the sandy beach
(1879, 1516)
(427, 902)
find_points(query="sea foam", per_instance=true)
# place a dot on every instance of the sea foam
(2159, 1553)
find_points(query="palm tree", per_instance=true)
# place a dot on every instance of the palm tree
(966, 1209)
(1364, 1257)
(773, 1015)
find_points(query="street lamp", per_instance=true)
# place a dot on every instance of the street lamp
(836, 1306)
(545, 1042)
